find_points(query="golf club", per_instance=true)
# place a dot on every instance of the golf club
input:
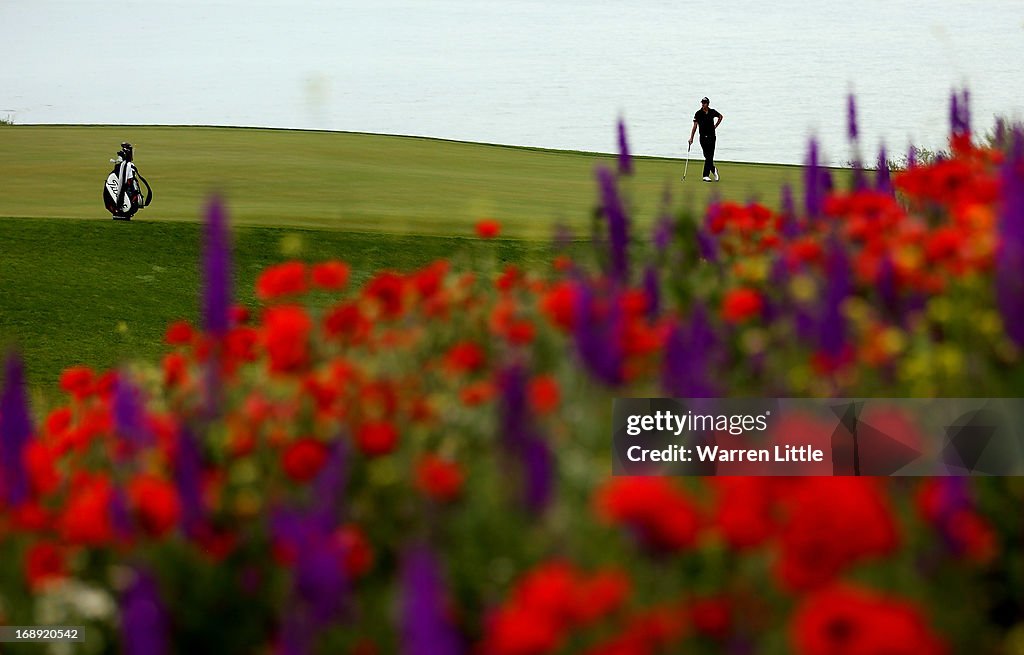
(687, 164)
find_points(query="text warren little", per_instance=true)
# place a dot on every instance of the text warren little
(786, 453)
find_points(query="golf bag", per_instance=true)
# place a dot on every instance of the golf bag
(122, 193)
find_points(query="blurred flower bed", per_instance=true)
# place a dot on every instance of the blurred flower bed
(421, 465)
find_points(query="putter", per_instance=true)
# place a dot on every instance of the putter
(687, 164)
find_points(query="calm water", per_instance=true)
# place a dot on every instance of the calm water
(524, 72)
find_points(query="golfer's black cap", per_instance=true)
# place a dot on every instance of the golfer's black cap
(705, 99)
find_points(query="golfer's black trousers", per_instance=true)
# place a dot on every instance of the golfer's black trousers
(707, 144)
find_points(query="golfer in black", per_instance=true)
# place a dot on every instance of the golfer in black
(708, 120)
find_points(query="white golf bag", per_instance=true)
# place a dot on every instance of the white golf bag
(122, 194)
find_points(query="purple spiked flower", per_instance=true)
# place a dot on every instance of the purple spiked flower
(1000, 132)
(188, 469)
(618, 224)
(514, 409)
(329, 486)
(652, 292)
(851, 117)
(954, 112)
(1010, 255)
(625, 160)
(883, 182)
(320, 584)
(965, 111)
(216, 270)
(804, 323)
(425, 629)
(319, 581)
(832, 328)
(143, 618)
(596, 336)
(886, 285)
(959, 113)
(706, 245)
(15, 432)
(539, 473)
(812, 182)
(789, 228)
(953, 499)
(130, 413)
(690, 348)
(663, 233)
(121, 515)
(522, 441)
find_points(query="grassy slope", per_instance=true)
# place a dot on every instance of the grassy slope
(341, 181)
(76, 287)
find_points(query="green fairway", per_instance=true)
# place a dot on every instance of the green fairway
(343, 181)
(77, 287)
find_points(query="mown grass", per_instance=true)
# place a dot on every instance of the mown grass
(76, 287)
(345, 181)
(98, 293)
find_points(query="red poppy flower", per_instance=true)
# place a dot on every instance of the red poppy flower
(58, 421)
(439, 479)
(544, 394)
(488, 228)
(477, 393)
(600, 595)
(376, 438)
(357, 559)
(240, 314)
(85, 519)
(831, 524)
(155, 503)
(303, 459)
(387, 289)
(40, 463)
(282, 280)
(741, 304)
(332, 275)
(559, 305)
(655, 510)
(179, 333)
(464, 357)
(517, 630)
(44, 563)
(743, 515)
(175, 367)
(854, 621)
(78, 381)
(285, 334)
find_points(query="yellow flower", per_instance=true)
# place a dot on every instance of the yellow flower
(291, 245)
(894, 341)
(803, 288)
(940, 309)
(247, 503)
(950, 360)
(989, 323)
(858, 310)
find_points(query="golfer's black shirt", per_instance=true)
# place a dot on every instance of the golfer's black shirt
(706, 122)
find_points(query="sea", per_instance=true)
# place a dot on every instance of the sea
(525, 72)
